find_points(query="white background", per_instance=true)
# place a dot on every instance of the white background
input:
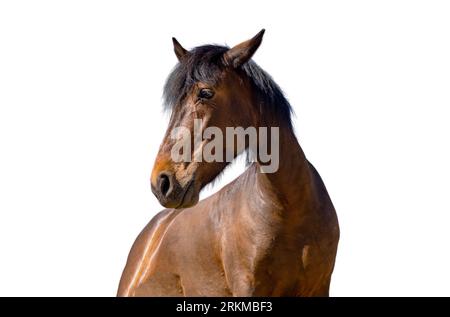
(81, 121)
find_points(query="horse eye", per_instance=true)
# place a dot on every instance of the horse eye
(205, 93)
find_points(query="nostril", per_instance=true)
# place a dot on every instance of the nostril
(164, 184)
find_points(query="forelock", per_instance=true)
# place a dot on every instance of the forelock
(203, 64)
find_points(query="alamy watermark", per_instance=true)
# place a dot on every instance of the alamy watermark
(209, 145)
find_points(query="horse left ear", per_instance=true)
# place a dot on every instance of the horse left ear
(179, 50)
(241, 53)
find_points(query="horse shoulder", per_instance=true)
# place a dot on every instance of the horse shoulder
(141, 257)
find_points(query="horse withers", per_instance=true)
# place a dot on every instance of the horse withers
(265, 234)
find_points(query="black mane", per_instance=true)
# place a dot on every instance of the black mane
(204, 64)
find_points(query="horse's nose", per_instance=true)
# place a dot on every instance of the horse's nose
(168, 190)
(164, 185)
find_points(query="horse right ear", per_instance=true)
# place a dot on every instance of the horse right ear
(179, 50)
(241, 53)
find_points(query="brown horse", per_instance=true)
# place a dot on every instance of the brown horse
(264, 234)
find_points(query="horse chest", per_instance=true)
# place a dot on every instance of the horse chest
(268, 263)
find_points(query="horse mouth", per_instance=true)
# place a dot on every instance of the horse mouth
(189, 198)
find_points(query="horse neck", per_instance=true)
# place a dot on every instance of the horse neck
(292, 182)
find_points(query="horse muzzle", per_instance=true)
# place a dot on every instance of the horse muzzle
(171, 194)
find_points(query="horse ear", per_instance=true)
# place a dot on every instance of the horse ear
(241, 53)
(179, 50)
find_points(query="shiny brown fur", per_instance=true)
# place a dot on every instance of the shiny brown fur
(261, 235)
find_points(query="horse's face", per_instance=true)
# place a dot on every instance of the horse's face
(227, 102)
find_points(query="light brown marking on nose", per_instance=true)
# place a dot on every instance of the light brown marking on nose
(162, 164)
